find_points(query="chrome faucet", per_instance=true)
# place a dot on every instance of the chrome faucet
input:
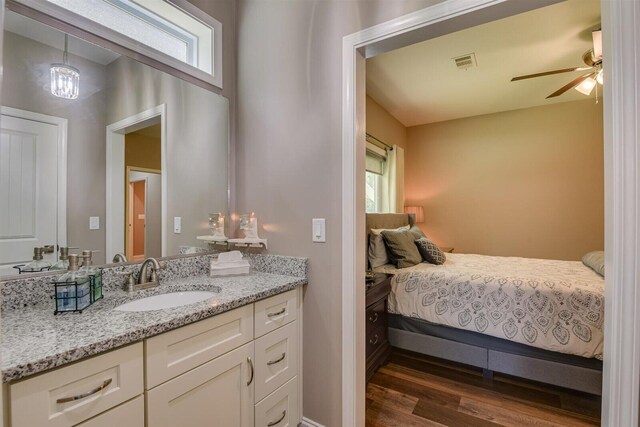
(120, 257)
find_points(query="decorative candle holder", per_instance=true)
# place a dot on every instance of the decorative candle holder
(216, 225)
(249, 225)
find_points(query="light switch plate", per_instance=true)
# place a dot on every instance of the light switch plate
(177, 225)
(94, 223)
(319, 230)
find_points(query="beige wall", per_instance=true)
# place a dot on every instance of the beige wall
(384, 126)
(289, 156)
(525, 183)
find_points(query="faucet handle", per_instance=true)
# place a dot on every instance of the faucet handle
(131, 280)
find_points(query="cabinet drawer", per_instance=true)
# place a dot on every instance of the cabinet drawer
(276, 311)
(218, 393)
(98, 384)
(130, 414)
(375, 313)
(173, 353)
(276, 359)
(376, 338)
(280, 408)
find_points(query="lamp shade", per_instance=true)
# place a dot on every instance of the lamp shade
(418, 211)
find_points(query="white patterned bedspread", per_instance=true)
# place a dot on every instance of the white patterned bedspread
(553, 305)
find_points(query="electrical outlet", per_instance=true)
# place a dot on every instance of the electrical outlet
(177, 225)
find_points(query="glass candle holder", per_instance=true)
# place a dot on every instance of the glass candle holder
(249, 225)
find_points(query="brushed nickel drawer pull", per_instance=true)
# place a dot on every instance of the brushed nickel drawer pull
(87, 394)
(278, 313)
(280, 359)
(374, 340)
(273, 423)
(251, 366)
(373, 318)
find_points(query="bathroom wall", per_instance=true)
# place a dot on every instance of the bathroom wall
(197, 141)
(26, 81)
(289, 156)
(225, 11)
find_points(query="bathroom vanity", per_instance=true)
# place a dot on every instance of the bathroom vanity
(231, 360)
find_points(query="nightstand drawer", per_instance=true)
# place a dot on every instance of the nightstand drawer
(375, 313)
(376, 338)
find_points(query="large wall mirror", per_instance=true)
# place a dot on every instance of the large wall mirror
(102, 152)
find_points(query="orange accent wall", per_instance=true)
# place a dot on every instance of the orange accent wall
(524, 183)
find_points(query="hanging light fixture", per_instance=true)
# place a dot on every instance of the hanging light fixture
(65, 79)
(586, 86)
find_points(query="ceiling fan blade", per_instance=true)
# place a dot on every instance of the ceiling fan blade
(596, 35)
(571, 85)
(548, 73)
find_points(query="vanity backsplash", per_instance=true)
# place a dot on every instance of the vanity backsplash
(37, 289)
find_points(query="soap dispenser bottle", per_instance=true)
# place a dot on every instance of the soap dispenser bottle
(38, 263)
(94, 274)
(63, 262)
(72, 289)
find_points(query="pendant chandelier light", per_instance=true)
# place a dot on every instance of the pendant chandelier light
(65, 79)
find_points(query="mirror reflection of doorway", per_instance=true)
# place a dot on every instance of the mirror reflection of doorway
(143, 193)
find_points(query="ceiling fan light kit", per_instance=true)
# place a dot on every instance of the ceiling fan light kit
(587, 85)
(586, 82)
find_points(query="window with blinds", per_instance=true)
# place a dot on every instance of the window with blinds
(375, 164)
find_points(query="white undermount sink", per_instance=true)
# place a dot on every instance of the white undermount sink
(170, 300)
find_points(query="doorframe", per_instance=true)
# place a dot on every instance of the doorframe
(115, 191)
(621, 374)
(61, 185)
(128, 181)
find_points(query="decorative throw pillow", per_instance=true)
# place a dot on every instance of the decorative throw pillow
(417, 232)
(430, 252)
(377, 250)
(595, 261)
(402, 249)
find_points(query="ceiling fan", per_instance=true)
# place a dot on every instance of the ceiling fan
(586, 82)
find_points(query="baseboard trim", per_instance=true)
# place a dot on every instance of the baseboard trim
(306, 422)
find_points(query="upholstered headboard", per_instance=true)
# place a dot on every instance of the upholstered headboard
(386, 220)
(389, 220)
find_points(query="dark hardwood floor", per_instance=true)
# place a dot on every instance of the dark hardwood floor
(415, 390)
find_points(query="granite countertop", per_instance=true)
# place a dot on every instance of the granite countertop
(35, 340)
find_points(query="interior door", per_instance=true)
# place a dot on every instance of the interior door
(28, 188)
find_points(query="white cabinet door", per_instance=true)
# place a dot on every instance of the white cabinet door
(28, 188)
(217, 394)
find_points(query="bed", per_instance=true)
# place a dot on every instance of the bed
(537, 319)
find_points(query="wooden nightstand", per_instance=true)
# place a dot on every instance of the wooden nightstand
(377, 345)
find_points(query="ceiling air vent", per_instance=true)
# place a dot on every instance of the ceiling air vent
(465, 61)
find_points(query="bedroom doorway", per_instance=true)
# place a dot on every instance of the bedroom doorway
(620, 387)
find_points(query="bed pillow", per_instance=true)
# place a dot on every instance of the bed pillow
(403, 252)
(377, 250)
(417, 232)
(595, 261)
(430, 252)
